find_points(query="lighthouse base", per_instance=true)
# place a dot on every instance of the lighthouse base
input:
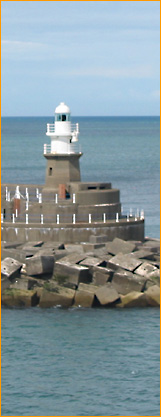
(61, 169)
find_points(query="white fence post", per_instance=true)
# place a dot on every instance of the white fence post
(74, 198)
(40, 198)
(42, 219)
(73, 218)
(56, 198)
(9, 196)
(27, 219)
(6, 193)
(27, 205)
(135, 217)
(142, 215)
(13, 218)
(117, 217)
(127, 217)
(37, 193)
(130, 212)
(57, 218)
(104, 217)
(1, 217)
(16, 212)
(90, 218)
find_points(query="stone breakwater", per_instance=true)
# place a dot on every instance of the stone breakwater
(105, 274)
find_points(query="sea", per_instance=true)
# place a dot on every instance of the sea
(85, 362)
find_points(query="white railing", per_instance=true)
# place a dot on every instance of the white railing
(71, 148)
(51, 128)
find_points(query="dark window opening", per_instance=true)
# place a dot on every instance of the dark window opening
(50, 171)
(63, 117)
(4, 213)
(102, 188)
(92, 188)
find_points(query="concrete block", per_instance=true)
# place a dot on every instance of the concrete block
(133, 299)
(125, 282)
(101, 275)
(90, 247)
(23, 283)
(74, 257)
(107, 295)
(12, 297)
(98, 239)
(74, 248)
(125, 261)
(29, 245)
(146, 269)
(92, 261)
(10, 268)
(5, 283)
(59, 296)
(120, 246)
(65, 273)
(143, 254)
(84, 296)
(40, 265)
(153, 296)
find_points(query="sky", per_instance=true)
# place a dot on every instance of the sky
(100, 57)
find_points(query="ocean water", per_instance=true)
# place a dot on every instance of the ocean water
(120, 150)
(84, 362)
(80, 362)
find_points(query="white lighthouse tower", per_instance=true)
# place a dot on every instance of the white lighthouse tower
(63, 153)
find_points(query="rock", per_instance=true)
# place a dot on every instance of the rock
(59, 296)
(65, 273)
(153, 296)
(98, 239)
(92, 261)
(53, 246)
(146, 269)
(133, 299)
(125, 282)
(84, 296)
(12, 297)
(40, 265)
(10, 268)
(126, 261)
(106, 295)
(120, 246)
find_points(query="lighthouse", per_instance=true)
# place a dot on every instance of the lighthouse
(63, 152)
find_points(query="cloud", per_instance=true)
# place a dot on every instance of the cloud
(20, 45)
(113, 72)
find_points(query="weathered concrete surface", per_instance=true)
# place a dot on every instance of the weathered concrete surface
(10, 267)
(67, 272)
(120, 246)
(146, 269)
(101, 275)
(12, 297)
(92, 262)
(125, 282)
(133, 299)
(98, 239)
(125, 261)
(63, 297)
(153, 296)
(143, 254)
(40, 265)
(84, 296)
(107, 295)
